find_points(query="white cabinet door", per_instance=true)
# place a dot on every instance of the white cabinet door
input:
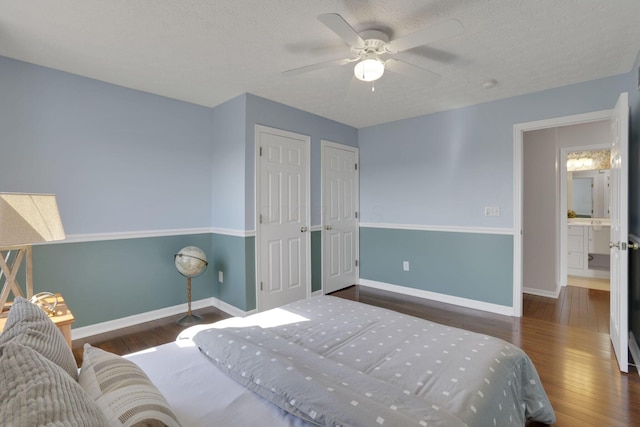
(599, 240)
(575, 247)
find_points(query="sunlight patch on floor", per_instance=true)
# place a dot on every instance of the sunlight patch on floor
(588, 282)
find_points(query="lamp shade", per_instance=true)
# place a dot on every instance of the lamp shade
(29, 218)
(369, 69)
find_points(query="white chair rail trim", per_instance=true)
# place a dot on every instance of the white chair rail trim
(443, 228)
(96, 237)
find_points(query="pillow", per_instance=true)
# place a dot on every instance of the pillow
(123, 391)
(29, 325)
(36, 392)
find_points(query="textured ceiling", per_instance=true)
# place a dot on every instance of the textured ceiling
(209, 51)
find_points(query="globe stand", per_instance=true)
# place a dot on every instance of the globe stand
(189, 318)
(190, 262)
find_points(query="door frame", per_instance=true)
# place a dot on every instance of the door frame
(518, 139)
(325, 143)
(257, 197)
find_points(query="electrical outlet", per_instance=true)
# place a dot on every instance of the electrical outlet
(220, 277)
(405, 265)
(492, 211)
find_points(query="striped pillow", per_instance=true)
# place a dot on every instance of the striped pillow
(36, 392)
(123, 391)
(29, 325)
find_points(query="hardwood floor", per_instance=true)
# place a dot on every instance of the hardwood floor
(145, 335)
(567, 339)
(577, 307)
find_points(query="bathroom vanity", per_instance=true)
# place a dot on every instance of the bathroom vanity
(588, 247)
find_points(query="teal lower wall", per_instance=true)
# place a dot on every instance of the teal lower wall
(107, 280)
(235, 257)
(110, 279)
(467, 265)
(250, 272)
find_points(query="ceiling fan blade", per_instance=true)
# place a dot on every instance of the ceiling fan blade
(317, 66)
(412, 71)
(427, 35)
(338, 25)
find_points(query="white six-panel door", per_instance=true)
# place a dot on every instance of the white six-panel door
(340, 222)
(618, 324)
(282, 232)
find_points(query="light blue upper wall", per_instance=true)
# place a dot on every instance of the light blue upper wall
(228, 164)
(443, 169)
(273, 114)
(118, 159)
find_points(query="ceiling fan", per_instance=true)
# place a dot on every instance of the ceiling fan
(370, 49)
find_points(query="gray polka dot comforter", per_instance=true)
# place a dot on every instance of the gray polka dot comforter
(335, 362)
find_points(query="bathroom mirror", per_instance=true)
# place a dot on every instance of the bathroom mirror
(588, 193)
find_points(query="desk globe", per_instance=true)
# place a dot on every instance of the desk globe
(191, 262)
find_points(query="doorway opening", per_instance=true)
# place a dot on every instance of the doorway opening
(618, 137)
(545, 210)
(585, 213)
(565, 227)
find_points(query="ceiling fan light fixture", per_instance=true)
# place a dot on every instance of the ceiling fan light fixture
(369, 69)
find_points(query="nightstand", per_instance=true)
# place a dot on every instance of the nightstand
(63, 318)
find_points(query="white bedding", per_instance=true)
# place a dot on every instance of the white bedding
(201, 395)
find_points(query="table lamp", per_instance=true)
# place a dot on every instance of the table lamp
(24, 219)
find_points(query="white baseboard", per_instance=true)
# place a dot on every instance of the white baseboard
(112, 325)
(541, 293)
(123, 322)
(228, 308)
(448, 299)
(634, 350)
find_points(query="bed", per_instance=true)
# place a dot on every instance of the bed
(322, 361)
(331, 361)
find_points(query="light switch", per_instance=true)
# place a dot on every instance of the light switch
(220, 276)
(405, 265)
(492, 210)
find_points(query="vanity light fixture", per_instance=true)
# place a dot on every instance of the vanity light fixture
(578, 164)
